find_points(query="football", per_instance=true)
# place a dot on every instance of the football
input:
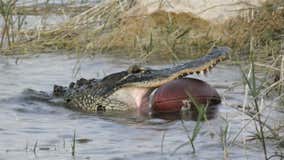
(180, 93)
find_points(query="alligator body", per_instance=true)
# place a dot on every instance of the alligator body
(135, 84)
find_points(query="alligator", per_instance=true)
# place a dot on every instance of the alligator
(132, 87)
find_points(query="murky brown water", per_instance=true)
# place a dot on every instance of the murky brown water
(106, 136)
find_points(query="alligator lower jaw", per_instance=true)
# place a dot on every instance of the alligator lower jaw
(135, 97)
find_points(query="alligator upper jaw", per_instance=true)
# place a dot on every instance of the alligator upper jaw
(151, 78)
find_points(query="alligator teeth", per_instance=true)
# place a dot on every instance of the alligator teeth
(222, 58)
(182, 75)
(206, 70)
(209, 68)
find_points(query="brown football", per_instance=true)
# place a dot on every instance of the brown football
(171, 96)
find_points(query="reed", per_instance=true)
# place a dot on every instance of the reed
(225, 138)
(260, 84)
(6, 12)
(201, 111)
(251, 82)
(35, 147)
(73, 145)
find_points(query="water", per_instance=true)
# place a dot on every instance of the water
(25, 125)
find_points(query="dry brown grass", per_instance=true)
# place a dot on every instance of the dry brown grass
(265, 24)
(110, 28)
(113, 28)
(159, 32)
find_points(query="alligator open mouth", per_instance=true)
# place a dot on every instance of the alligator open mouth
(134, 84)
(136, 93)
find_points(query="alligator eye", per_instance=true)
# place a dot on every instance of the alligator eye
(68, 100)
(135, 69)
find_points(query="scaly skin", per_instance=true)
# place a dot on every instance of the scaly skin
(94, 95)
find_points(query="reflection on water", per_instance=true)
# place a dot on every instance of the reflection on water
(210, 113)
(36, 130)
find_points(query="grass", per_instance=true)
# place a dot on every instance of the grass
(119, 28)
(37, 9)
(35, 147)
(201, 111)
(250, 81)
(162, 142)
(73, 146)
(258, 88)
(110, 28)
(6, 10)
(224, 136)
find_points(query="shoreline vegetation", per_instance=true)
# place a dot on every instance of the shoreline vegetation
(119, 27)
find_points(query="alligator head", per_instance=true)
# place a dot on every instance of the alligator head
(120, 90)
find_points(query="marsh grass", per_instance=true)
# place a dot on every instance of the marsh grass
(224, 136)
(162, 142)
(110, 27)
(201, 109)
(254, 91)
(38, 9)
(35, 147)
(6, 12)
(73, 145)
(260, 85)
(118, 27)
(264, 23)
(261, 38)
